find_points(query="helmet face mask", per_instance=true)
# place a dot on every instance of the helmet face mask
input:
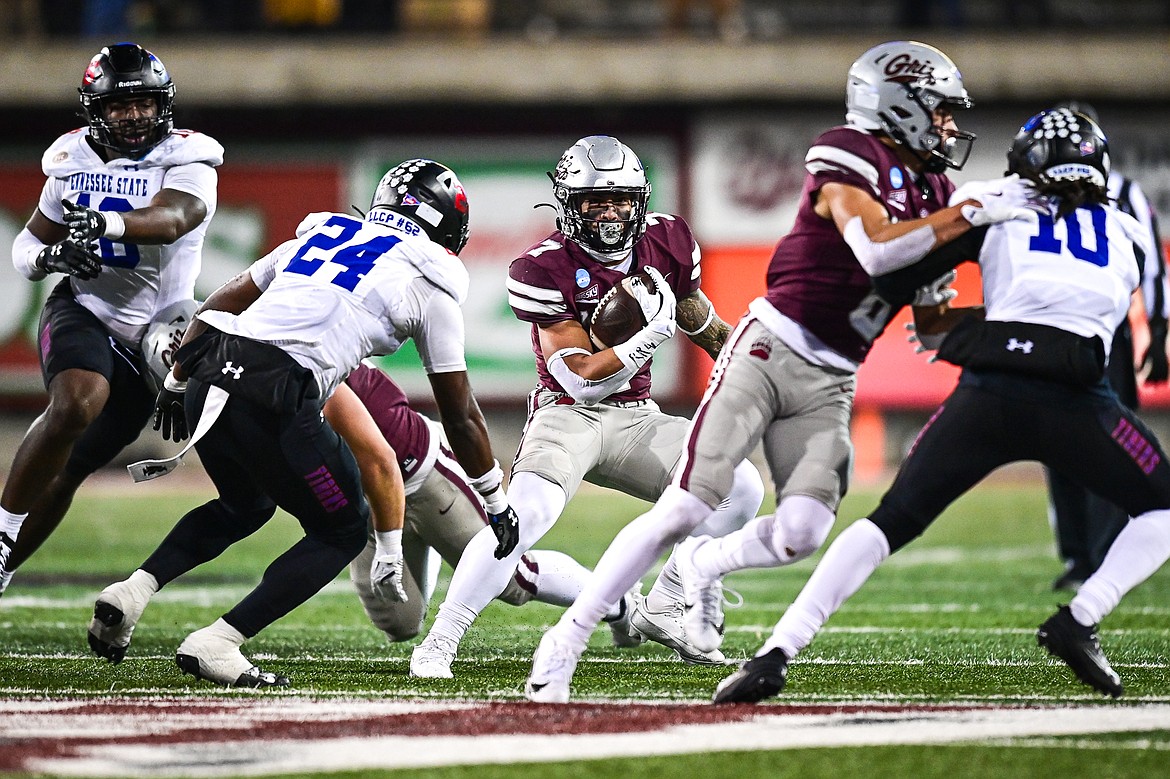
(431, 195)
(1060, 145)
(897, 88)
(118, 77)
(595, 175)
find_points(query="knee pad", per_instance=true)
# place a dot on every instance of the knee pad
(804, 524)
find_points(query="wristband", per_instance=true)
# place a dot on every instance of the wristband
(495, 501)
(490, 481)
(115, 225)
(388, 543)
(172, 384)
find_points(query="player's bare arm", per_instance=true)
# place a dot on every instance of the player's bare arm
(463, 422)
(697, 318)
(376, 459)
(170, 215)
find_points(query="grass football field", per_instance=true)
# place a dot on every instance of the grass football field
(950, 620)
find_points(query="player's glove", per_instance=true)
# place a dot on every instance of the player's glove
(169, 414)
(386, 570)
(85, 225)
(70, 257)
(924, 342)
(1156, 360)
(501, 518)
(506, 526)
(658, 305)
(937, 292)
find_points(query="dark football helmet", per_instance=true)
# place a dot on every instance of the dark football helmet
(428, 193)
(1060, 145)
(117, 72)
(895, 88)
(593, 166)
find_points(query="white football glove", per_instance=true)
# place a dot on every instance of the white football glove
(655, 307)
(937, 292)
(1000, 200)
(387, 567)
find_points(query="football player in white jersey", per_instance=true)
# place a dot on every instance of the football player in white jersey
(1032, 388)
(123, 215)
(263, 355)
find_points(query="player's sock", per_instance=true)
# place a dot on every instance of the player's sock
(1140, 549)
(847, 563)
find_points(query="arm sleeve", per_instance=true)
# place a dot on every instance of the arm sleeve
(25, 249)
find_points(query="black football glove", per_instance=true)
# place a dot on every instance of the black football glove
(85, 225)
(506, 526)
(169, 415)
(1156, 356)
(70, 257)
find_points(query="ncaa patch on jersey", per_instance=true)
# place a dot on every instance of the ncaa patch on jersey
(896, 178)
(582, 278)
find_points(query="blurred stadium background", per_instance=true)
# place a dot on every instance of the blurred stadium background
(314, 99)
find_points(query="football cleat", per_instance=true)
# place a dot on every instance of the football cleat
(116, 612)
(206, 655)
(433, 657)
(761, 677)
(702, 598)
(1078, 646)
(552, 670)
(666, 628)
(624, 634)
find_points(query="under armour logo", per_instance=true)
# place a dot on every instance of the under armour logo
(229, 368)
(1016, 345)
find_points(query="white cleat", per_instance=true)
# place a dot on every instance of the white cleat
(624, 634)
(702, 598)
(552, 670)
(433, 657)
(207, 655)
(116, 612)
(666, 628)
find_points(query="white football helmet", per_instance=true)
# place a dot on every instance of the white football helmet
(595, 165)
(895, 88)
(162, 339)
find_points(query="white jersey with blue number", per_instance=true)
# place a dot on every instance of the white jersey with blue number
(1075, 272)
(137, 280)
(346, 289)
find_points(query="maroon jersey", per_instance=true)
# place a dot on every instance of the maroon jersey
(814, 278)
(556, 280)
(403, 427)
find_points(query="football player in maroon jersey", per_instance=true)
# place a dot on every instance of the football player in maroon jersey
(874, 202)
(591, 417)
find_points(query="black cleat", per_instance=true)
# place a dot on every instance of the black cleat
(758, 678)
(109, 616)
(1078, 646)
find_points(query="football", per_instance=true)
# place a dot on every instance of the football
(618, 316)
